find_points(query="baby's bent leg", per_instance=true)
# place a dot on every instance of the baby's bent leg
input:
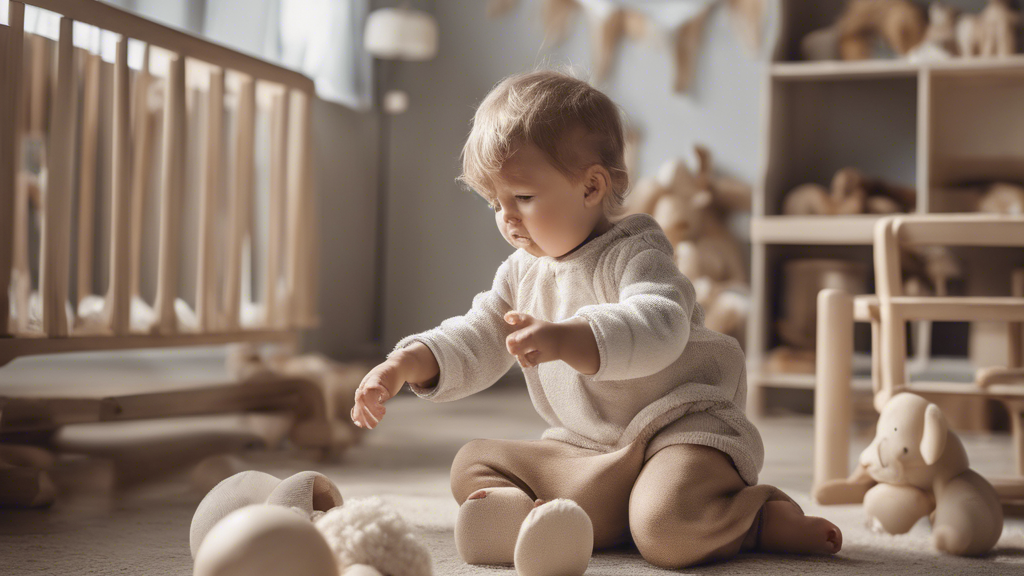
(488, 525)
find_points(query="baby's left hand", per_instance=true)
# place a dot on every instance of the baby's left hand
(534, 341)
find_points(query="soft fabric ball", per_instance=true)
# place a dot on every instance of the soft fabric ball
(267, 540)
(556, 539)
(368, 531)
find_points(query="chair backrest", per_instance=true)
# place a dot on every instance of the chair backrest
(894, 232)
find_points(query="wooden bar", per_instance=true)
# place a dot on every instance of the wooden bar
(960, 308)
(1015, 338)
(241, 194)
(171, 177)
(298, 148)
(107, 17)
(87, 173)
(118, 300)
(205, 278)
(55, 248)
(961, 230)
(311, 264)
(10, 144)
(278, 186)
(834, 374)
(141, 166)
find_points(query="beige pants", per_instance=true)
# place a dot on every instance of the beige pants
(686, 505)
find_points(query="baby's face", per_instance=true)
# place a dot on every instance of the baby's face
(539, 209)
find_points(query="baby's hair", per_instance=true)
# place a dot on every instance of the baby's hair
(573, 123)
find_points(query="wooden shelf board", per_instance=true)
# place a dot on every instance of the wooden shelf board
(11, 348)
(867, 69)
(858, 229)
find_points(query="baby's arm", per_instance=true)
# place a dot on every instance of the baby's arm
(466, 353)
(647, 329)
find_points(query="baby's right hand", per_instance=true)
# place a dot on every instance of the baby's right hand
(376, 389)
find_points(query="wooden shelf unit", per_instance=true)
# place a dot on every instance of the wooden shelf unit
(934, 126)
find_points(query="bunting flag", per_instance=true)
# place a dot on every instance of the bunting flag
(677, 24)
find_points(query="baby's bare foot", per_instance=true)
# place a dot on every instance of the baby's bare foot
(786, 529)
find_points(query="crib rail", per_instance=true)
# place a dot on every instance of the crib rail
(123, 319)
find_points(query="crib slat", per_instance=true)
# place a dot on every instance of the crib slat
(278, 185)
(205, 279)
(298, 148)
(241, 194)
(87, 174)
(118, 301)
(171, 177)
(10, 100)
(311, 269)
(141, 166)
(55, 248)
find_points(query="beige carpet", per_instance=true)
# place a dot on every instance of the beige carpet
(144, 531)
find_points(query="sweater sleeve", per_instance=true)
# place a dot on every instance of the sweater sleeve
(647, 329)
(470, 349)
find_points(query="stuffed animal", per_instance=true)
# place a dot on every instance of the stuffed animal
(900, 23)
(851, 193)
(255, 523)
(1003, 198)
(691, 207)
(940, 38)
(915, 467)
(990, 33)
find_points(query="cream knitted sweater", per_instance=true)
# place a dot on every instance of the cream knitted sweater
(663, 378)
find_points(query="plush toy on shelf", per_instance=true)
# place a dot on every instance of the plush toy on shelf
(899, 23)
(989, 33)
(940, 38)
(1003, 198)
(915, 467)
(255, 523)
(851, 193)
(691, 206)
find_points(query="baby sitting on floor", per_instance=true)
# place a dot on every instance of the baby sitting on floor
(647, 432)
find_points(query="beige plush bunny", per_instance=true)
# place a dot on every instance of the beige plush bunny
(916, 466)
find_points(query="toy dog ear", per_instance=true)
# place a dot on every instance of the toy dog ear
(933, 440)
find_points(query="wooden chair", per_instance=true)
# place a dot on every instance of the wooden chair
(888, 311)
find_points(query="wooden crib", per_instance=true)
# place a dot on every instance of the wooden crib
(50, 92)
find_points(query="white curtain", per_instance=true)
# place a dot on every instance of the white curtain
(323, 39)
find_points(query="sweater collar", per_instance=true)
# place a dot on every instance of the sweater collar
(630, 225)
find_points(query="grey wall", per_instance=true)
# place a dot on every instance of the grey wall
(443, 244)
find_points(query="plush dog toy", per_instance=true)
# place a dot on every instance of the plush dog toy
(916, 466)
(899, 22)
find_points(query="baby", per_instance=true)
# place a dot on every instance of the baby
(645, 405)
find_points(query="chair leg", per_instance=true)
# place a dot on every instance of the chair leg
(1016, 409)
(1016, 329)
(894, 354)
(833, 410)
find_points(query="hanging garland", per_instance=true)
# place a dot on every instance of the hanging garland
(612, 20)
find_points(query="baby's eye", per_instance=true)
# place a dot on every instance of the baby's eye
(524, 198)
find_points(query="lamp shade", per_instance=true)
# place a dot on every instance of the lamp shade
(401, 33)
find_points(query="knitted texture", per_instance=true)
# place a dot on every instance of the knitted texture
(664, 378)
(368, 531)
